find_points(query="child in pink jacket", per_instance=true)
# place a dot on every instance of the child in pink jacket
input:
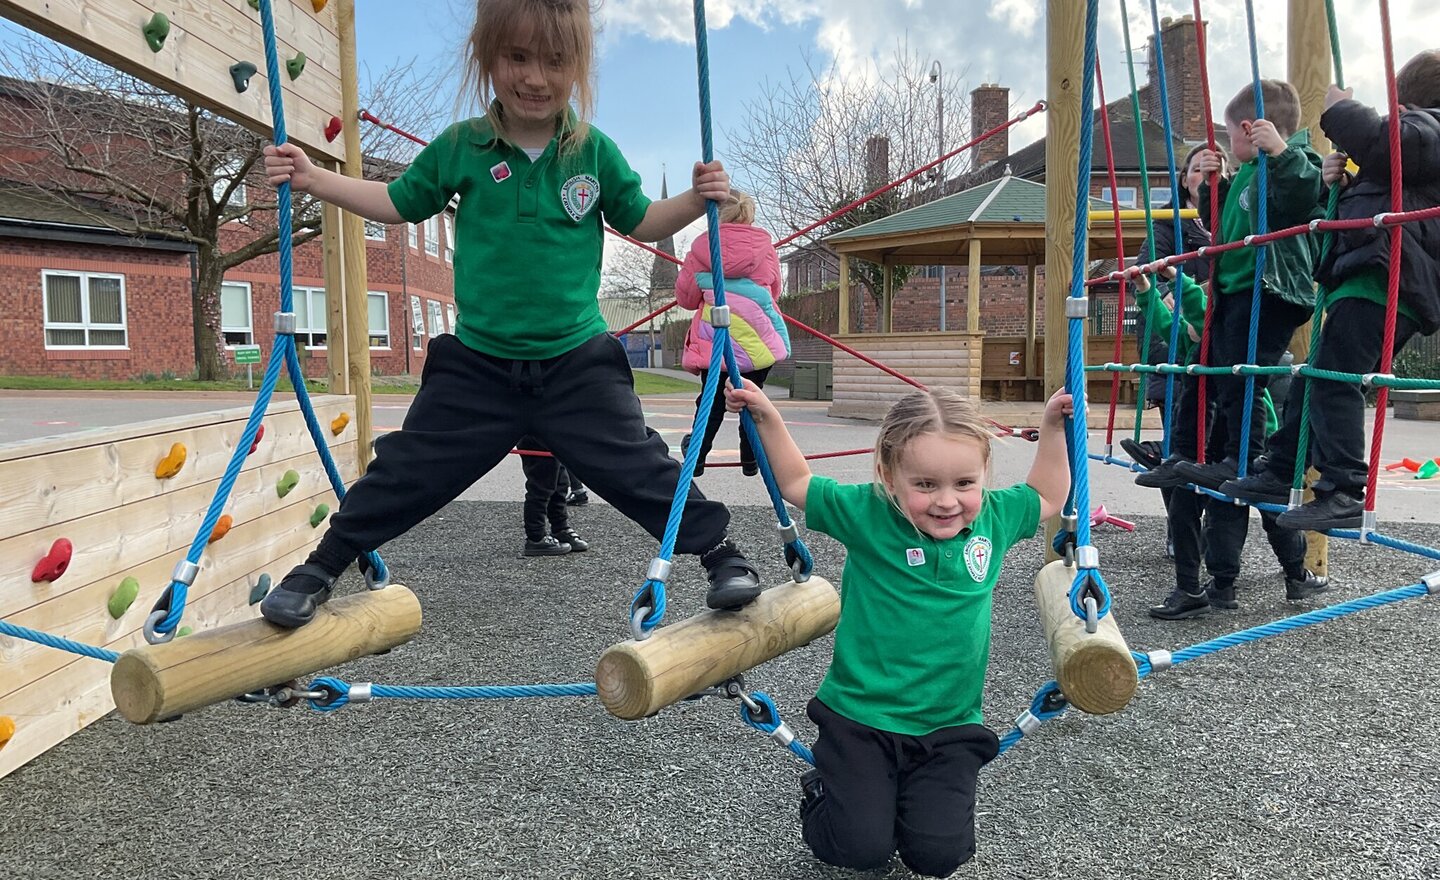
(752, 290)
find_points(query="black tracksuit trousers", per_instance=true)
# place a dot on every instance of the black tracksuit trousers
(546, 486)
(470, 411)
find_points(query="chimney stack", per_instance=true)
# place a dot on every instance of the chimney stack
(989, 107)
(1185, 88)
(877, 161)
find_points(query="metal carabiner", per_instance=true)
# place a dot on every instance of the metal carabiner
(637, 623)
(152, 635)
(1092, 615)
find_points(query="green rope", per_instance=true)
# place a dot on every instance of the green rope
(1332, 210)
(1144, 351)
(1376, 380)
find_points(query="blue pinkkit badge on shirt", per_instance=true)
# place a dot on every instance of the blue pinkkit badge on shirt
(500, 172)
(915, 556)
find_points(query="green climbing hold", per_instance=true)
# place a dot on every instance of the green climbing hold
(241, 72)
(321, 511)
(183, 631)
(123, 597)
(255, 4)
(156, 30)
(287, 483)
(296, 65)
(262, 586)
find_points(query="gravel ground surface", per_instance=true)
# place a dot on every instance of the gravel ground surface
(1309, 755)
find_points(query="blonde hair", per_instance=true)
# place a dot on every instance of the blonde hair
(559, 27)
(933, 411)
(739, 208)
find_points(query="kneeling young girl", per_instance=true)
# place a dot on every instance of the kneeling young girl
(901, 740)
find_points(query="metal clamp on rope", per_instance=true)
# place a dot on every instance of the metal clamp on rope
(1087, 557)
(1092, 615)
(1248, 241)
(1296, 368)
(1297, 498)
(1315, 225)
(1379, 220)
(284, 323)
(789, 532)
(1235, 369)
(362, 692)
(185, 572)
(1027, 723)
(1077, 306)
(659, 570)
(1160, 660)
(1369, 522)
(783, 735)
(1369, 378)
(1432, 582)
(1190, 369)
(719, 316)
(1200, 252)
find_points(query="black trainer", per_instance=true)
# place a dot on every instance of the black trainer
(293, 602)
(578, 499)
(734, 582)
(571, 537)
(1144, 452)
(1263, 487)
(1180, 605)
(685, 450)
(1164, 476)
(749, 468)
(1211, 475)
(546, 546)
(812, 789)
(1336, 510)
(1311, 584)
(1221, 597)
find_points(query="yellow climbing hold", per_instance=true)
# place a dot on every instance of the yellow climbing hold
(171, 464)
(123, 597)
(7, 729)
(286, 483)
(222, 528)
(316, 518)
(338, 423)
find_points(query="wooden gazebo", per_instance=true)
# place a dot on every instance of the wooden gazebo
(1000, 223)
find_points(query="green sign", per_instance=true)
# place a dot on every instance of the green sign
(247, 354)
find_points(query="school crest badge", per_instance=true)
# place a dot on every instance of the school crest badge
(579, 195)
(977, 557)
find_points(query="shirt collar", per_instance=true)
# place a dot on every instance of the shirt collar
(482, 130)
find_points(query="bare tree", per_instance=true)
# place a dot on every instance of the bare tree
(146, 163)
(630, 273)
(821, 139)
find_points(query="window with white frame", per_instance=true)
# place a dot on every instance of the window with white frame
(436, 321)
(378, 312)
(1159, 196)
(412, 233)
(236, 322)
(1124, 196)
(310, 317)
(450, 316)
(84, 310)
(374, 231)
(432, 236)
(449, 238)
(224, 174)
(417, 324)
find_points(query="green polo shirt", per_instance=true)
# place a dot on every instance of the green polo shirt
(913, 640)
(529, 236)
(1371, 285)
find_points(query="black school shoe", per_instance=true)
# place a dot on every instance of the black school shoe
(1337, 510)
(1145, 452)
(685, 450)
(1164, 476)
(571, 537)
(1221, 597)
(292, 604)
(1263, 487)
(577, 499)
(1211, 475)
(546, 546)
(1311, 584)
(1180, 605)
(734, 582)
(812, 790)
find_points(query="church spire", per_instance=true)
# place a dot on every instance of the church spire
(663, 272)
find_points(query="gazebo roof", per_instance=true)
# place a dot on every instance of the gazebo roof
(1007, 215)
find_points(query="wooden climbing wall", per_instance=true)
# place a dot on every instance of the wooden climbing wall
(206, 38)
(98, 489)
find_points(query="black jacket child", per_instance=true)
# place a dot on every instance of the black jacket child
(1358, 131)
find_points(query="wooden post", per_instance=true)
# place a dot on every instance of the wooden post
(844, 326)
(972, 296)
(338, 360)
(1031, 284)
(637, 679)
(1309, 70)
(1065, 63)
(154, 682)
(887, 297)
(357, 309)
(1094, 670)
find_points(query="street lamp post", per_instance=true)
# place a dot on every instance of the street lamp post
(936, 78)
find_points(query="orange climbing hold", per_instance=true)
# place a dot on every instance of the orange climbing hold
(55, 562)
(222, 528)
(7, 729)
(319, 5)
(171, 464)
(338, 423)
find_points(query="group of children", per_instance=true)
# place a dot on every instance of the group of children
(901, 738)
(1351, 275)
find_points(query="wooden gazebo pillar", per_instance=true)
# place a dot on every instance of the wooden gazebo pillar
(972, 303)
(844, 294)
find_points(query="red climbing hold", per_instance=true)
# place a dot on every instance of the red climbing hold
(259, 435)
(332, 128)
(55, 562)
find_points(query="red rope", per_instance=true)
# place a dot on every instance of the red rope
(662, 309)
(1204, 358)
(1392, 300)
(367, 116)
(1119, 254)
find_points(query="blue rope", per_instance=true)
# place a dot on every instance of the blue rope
(1262, 226)
(407, 692)
(52, 641)
(1088, 581)
(796, 747)
(1179, 285)
(1047, 703)
(283, 351)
